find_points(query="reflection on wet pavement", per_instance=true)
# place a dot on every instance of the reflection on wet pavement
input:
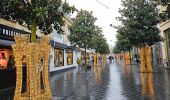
(147, 85)
(113, 81)
(108, 81)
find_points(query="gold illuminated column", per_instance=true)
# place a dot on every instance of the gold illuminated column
(103, 58)
(145, 57)
(127, 59)
(118, 58)
(36, 57)
(97, 75)
(96, 59)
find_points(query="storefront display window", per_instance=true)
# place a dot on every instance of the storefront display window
(6, 58)
(58, 57)
(69, 57)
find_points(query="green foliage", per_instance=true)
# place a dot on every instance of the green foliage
(45, 13)
(116, 49)
(86, 35)
(99, 43)
(139, 20)
(122, 44)
(83, 29)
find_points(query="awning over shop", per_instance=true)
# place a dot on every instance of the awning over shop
(57, 44)
(6, 43)
(73, 48)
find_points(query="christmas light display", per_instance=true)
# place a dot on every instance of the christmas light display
(36, 58)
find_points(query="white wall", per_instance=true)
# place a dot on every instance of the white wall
(75, 56)
(52, 59)
(65, 58)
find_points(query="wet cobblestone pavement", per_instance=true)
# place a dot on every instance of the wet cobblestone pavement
(111, 82)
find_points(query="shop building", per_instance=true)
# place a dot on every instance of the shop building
(165, 32)
(7, 31)
(63, 55)
(164, 46)
(7, 69)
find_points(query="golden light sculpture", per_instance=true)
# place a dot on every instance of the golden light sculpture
(127, 57)
(104, 59)
(145, 56)
(36, 57)
(95, 59)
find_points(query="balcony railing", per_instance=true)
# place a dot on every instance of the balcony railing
(8, 33)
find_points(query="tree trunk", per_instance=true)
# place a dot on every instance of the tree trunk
(33, 30)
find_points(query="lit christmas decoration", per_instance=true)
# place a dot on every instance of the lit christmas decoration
(36, 58)
(145, 56)
(96, 59)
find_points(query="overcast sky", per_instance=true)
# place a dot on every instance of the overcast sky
(105, 11)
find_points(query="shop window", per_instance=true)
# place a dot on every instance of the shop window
(69, 57)
(6, 58)
(58, 57)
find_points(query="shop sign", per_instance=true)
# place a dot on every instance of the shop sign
(8, 33)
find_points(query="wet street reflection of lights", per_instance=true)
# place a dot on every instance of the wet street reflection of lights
(97, 74)
(110, 82)
(147, 85)
(127, 69)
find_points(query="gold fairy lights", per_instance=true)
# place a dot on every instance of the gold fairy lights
(36, 57)
(145, 57)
